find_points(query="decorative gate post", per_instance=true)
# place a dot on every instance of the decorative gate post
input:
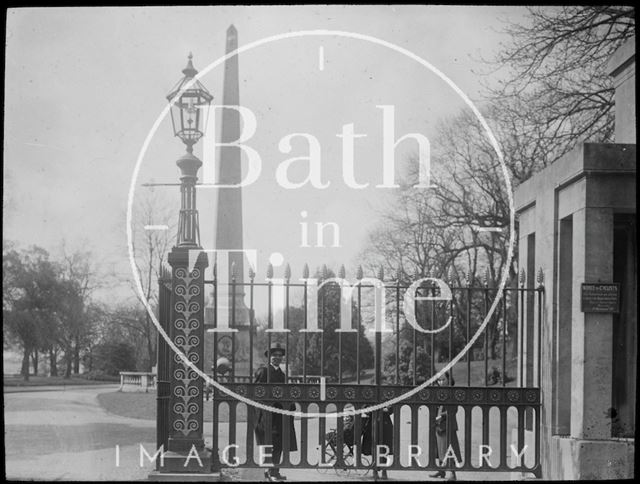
(186, 452)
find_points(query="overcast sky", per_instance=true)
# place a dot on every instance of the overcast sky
(84, 86)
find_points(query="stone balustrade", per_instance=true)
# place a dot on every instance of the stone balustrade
(140, 381)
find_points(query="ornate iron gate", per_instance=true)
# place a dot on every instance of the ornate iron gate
(498, 408)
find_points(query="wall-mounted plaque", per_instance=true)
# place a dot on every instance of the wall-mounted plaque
(600, 297)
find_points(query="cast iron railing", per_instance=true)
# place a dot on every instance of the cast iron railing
(498, 411)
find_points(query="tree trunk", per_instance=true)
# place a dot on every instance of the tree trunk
(151, 352)
(495, 337)
(25, 363)
(151, 337)
(68, 359)
(53, 362)
(34, 361)
(76, 358)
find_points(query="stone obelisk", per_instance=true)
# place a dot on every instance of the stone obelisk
(229, 213)
(228, 224)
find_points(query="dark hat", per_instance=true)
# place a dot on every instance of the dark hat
(276, 347)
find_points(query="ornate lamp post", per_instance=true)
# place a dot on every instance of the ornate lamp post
(186, 452)
(189, 114)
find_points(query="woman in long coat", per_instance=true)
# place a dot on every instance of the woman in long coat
(447, 432)
(387, 435)
(270, 422)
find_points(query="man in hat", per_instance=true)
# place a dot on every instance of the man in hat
(270, 421)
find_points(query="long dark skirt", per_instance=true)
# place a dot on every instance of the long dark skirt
(447, 441)
(273, 422)
(385, 439)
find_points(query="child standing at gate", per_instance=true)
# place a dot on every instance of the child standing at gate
(446, 432)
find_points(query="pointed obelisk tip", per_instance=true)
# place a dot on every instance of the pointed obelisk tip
(232, 39)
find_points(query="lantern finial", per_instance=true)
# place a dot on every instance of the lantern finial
(189, 71)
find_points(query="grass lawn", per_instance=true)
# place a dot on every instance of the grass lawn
(132, 405)
(140, 405)
(460, 374)
(38, 381)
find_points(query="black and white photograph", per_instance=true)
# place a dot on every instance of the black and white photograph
(337, 243)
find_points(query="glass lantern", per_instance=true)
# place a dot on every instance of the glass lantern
(190, 102)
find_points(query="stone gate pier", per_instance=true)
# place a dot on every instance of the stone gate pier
(577, 220)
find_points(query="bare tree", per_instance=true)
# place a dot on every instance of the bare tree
(150, 249)
(82, 274)
(555, 92)
(438, 231)
(556, 79)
